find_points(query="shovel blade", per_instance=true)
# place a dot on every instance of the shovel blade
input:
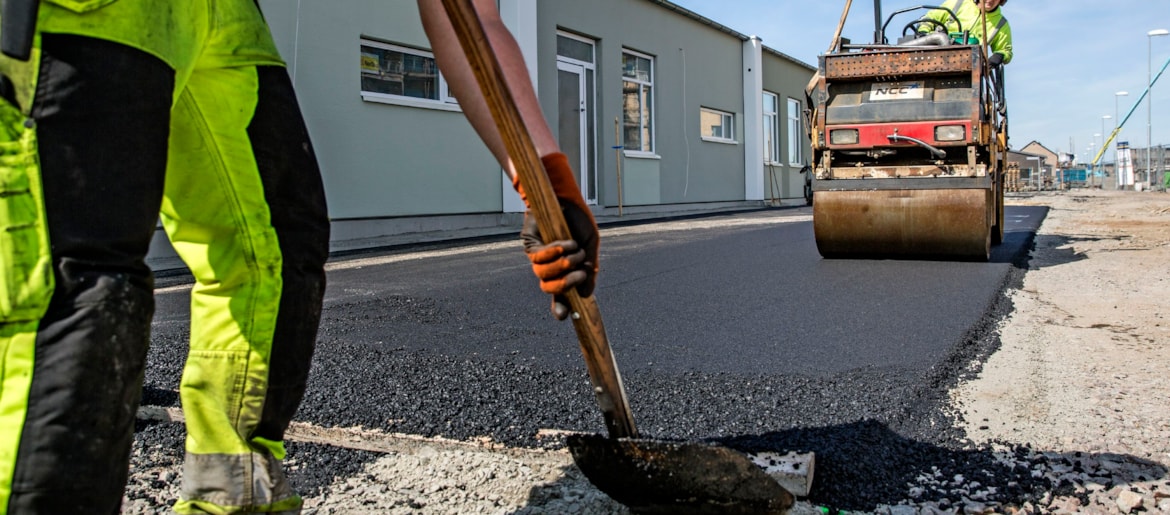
(653, 476)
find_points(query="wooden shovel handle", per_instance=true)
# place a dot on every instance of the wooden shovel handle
(603, 371)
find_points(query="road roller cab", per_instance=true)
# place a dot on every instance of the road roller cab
(909, 147)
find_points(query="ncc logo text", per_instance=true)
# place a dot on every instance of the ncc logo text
(896, 91)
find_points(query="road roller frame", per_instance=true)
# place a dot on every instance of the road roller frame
(909, 147)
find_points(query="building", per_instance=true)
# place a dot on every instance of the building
(1035, 172)
(695, 114)
(1153, 159)
(1044, 168)
(1050, 159)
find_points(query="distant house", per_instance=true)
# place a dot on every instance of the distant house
(1051, 159)
(1035, 171)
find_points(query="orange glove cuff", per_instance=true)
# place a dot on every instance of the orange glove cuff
(560, 174)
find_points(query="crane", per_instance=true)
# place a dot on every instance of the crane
(1105, 145)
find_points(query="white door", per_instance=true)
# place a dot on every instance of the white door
(575, 124)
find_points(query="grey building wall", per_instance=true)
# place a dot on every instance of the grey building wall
(378, 160)
(787, 78)
(384, 161)
(694, 66)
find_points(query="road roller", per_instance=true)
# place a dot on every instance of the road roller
(909, 145)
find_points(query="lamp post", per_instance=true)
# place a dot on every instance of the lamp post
(1150, 84)
(1089, 159)
(1103, 150)
(1117, 120)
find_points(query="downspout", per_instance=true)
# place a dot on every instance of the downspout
(520, 17)
(753, 119)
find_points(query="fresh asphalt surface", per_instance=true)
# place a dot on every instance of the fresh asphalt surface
(729, 328)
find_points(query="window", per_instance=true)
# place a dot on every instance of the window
(794, 132)
(716, 125)
(575, 48)
(637, 102)
(398, 74)
(771, 128)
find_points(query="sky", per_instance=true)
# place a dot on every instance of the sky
(1071, 57)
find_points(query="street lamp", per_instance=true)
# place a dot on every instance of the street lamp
(1089, 159)
(1150, 81)
(1103, 149)
(1116, 120)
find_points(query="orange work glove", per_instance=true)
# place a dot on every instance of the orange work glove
(564, 264)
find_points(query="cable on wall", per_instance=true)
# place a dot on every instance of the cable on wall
(686, 139)
(296, 43)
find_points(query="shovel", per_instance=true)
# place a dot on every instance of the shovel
(649, 476)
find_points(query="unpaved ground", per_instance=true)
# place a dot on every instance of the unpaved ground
(1082, 380)
(1085, 359)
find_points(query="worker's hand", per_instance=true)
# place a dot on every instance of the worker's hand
(996, 59)
(564, 264)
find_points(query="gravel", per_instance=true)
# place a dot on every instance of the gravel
(1054, 403)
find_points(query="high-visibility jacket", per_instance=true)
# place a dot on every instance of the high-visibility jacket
(971, 18)
(219, 210)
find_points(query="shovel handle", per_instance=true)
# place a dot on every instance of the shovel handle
(603, 371)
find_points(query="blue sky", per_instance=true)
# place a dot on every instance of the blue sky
(1070, 58)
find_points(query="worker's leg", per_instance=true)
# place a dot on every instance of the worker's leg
(244, 208)
(101, 114)
(296, 201)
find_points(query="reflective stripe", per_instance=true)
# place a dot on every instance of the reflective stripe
(230, 483)
(1002, 22)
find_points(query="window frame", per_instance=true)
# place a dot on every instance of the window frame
(771, 123)
(645, 89)
(445, 102)
(728, 120)
(795, 132)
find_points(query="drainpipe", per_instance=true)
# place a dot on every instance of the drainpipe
(520, 18)
(753, 119)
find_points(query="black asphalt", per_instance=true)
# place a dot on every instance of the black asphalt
(736, 331)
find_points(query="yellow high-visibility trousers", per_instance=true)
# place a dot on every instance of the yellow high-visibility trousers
(127, 111)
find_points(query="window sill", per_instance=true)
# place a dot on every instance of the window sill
(719, 140)
(637, 154)
(410, 102)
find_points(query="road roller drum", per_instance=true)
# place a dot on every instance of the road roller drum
(929, 223)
